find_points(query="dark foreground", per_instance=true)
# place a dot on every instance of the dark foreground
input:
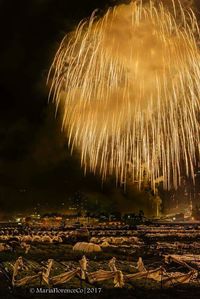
(151, 243)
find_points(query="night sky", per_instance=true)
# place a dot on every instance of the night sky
(35, 163)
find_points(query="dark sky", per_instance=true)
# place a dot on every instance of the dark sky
(35, 164)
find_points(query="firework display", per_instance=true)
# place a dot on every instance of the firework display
(128, 87)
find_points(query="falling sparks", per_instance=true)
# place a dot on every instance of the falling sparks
(129, 88)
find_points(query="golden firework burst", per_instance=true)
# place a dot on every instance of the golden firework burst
(129, 87)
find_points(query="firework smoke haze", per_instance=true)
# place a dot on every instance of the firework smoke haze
(129, 86)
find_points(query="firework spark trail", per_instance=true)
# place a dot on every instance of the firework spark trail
(129, 86)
